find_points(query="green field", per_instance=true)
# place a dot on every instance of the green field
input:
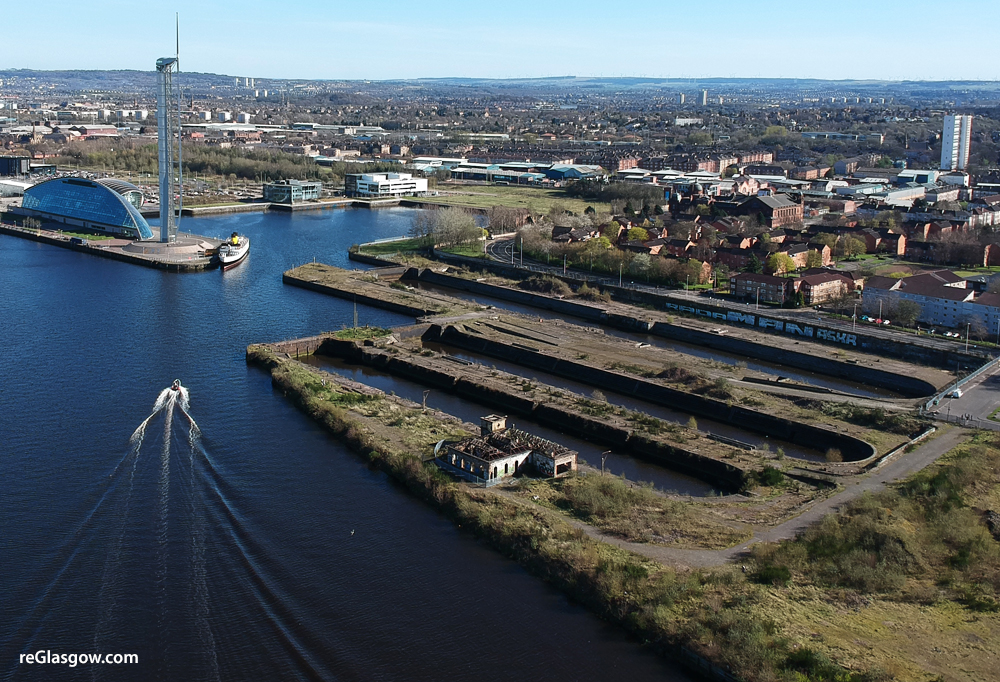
(397, 246)
(532, 198)
(469, 250)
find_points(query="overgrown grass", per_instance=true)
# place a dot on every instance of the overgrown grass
(922, 540)
(874, 418)
(638, 513)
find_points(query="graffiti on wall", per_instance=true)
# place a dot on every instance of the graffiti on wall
(766, 323)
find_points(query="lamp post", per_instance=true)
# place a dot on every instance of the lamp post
(968, 329)
(854, 324)
(619, 275)
(604, 457)
(687, 278)
(757, 305)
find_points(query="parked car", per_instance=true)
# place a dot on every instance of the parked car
(957, 393)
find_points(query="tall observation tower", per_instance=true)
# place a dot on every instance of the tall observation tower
(169, 132)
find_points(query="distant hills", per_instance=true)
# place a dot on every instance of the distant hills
(70, 81)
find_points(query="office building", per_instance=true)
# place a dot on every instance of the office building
(292, 191)
(382, 184)
(955, 142)
(680, 98)
(14, 165)
(704, 98)
(225, 116)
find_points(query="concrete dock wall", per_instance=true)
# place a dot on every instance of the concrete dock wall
(908, 386)
(806, 435)
(505, 398)
(898, 346)
(194, 265)
(402, 308)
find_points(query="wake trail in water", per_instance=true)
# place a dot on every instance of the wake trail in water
(199, 583)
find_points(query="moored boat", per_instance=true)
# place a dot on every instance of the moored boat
(233, 251)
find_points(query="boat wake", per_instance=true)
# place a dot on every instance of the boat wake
(180, 433)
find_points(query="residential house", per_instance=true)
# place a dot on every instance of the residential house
(750, 286)
(943, 297)
(822, 287)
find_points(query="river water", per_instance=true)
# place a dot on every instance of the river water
(262, 550)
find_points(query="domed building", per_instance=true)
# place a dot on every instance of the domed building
(110, 206)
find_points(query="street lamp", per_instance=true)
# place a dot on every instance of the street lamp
(604, 457)
(757, 306)
(968, 329)
(854, 324)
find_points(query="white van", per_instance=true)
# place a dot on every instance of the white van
(957, 393)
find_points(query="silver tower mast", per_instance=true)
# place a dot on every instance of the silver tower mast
(168, 126)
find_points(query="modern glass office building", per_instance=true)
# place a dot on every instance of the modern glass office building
(105, 206)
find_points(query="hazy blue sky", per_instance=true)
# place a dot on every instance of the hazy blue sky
(891, 39)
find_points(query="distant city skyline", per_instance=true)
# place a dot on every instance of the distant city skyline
(322, 39)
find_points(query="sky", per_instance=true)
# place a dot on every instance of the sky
(383, 40)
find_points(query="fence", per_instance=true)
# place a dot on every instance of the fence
(958, 384)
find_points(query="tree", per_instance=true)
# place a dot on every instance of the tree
(814, 259)
(826, 239)
(851, 247)
(907, 312)
(779, 263)
(611, 231)
(637, 233)
(502, 219)
(754, 265)
(453, 226)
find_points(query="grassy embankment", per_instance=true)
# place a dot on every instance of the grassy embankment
(907, 579)
(717, 613)
(535, 199)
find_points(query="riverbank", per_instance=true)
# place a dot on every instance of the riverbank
(661, 606)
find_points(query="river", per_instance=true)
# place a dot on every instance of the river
(263, 550)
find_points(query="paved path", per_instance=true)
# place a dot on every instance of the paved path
(899, 468)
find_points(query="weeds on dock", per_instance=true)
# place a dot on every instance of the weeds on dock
(873, 418)
(362, 333)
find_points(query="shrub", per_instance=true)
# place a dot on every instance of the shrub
(769, 476)
(546, 285)
(773, 575)
(593, 294)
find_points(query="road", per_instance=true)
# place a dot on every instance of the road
(501, 250)
(980, 397)
(899, 468)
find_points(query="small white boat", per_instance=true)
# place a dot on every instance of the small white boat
(232, 251)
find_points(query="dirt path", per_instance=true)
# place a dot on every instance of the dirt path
(900, 468)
